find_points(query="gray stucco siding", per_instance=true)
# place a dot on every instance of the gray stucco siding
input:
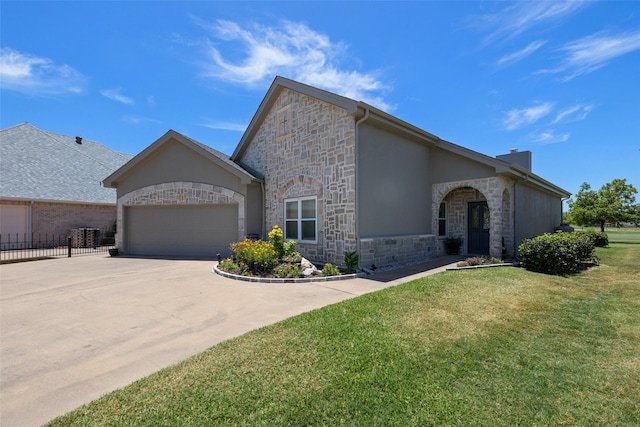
(536, 212)
(394, 188)
(254, 217)
(447, 166)
(175, 162)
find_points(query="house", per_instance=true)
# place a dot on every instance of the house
(337, 175)
(51, 183)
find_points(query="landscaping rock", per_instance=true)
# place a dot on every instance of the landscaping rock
(307, 268)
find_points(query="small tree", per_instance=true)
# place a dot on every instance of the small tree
(614, 202)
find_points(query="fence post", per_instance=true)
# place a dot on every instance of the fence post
(69, 246)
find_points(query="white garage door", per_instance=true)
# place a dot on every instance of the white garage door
(13, 226)
(180, 231)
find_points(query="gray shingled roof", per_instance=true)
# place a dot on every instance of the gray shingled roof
(40, 165)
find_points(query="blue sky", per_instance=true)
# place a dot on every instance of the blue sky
(559, 78)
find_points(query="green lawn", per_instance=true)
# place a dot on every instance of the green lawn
(623, 235)
(486, 347)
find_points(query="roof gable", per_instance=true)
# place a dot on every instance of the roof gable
(363, 112)
(214, 156)
(277, 86)
(41, 165)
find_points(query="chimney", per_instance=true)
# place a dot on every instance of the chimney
(516, 157)
(78, 140)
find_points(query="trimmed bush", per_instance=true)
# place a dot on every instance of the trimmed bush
(599, 239)
(330, 270)
(558, 253)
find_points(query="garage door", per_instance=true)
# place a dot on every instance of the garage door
(180, 231)
(13, 226)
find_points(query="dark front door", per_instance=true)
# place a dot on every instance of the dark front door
(478, 228)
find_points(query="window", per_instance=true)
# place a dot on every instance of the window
(300, 221)
(442, 219)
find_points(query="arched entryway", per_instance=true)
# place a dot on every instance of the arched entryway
(477, 211)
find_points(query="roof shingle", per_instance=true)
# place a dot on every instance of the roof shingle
(41, 165)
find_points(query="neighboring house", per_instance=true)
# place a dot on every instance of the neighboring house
(51, 183)
(337, 175)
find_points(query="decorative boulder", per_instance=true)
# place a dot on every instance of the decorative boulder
(307, 268)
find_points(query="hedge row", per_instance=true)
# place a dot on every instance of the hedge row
(559, 253)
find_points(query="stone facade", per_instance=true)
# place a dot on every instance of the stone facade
(496, 191)
(389, 251)
(306, 147)
(180, 193)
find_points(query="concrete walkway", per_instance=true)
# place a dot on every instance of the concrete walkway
(74, 329)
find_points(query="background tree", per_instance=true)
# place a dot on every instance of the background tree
(614, 202)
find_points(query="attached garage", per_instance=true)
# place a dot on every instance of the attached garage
(181, 199)
(13, 225)
(181, 231)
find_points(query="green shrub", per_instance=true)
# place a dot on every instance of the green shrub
(330, 270)
(558, 253)
(599, 239)
(287, 271)
(351, 260)
(289, 249)
(229, 266)
(249, 252)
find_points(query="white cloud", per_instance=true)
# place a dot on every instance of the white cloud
(521, 54)
(574, 113)
(137, 120)
(240, 127)
(292, 50)
(519, 117)
(37, 76)
(115, 95)
(521, 16)
(549, 137)
(590, 53)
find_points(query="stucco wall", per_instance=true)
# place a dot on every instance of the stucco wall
(173, 162)
(394, 187)
(537, 212)
(306, 147)
(447, 166)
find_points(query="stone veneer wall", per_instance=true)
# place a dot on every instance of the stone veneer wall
(306, 147)
(495, 190)
(390, 251)
(180, 193)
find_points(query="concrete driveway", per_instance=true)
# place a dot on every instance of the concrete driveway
(74, 329)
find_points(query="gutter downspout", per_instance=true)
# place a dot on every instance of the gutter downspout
(264, 216)
(562, 209)
(30, 223)
(356, 142)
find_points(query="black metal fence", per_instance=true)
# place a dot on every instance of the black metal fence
(16, 247)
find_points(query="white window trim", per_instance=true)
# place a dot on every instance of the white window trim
(299, 220)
